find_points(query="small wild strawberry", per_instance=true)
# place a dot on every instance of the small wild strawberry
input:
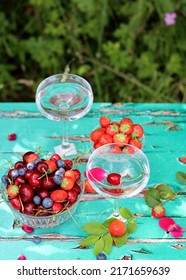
(104, 121)
(117, 228)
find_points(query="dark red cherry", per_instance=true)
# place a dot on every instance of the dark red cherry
(77, 188)
(26, 193)
(29, 208)
(72, 196)
(34, 179)
(42, 193)
(114, 179)
(41, 211)
(57, 207)
(19, 164)
(48, 182)
(15, 202)
(41, 167)
(28, 173)
(19, 181)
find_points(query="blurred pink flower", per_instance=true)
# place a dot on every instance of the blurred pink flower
(170, 18)
(168, 224)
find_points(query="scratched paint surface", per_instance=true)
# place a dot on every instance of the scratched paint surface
(165, 134)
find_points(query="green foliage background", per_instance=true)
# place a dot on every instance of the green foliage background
(123, 48)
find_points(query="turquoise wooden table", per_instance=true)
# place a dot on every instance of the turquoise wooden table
(165, 144)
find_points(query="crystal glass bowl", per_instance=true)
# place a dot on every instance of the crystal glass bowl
(43, 221)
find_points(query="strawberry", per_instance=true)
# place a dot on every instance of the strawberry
(111, 129)
(105, 139)
(70, 173)
(121, 139)
(97, 145)
(115, 150)
(12, 191)
(136, 143)
(158, 211)
(95, 134)
(129, 150)
(126, 128)
(138, 131)
(67, 183)
(30, 156)
(88, 187)
(126, 121)
(58, 195)
(52, 166)
(104, 121)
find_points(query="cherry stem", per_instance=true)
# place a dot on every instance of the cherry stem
(124, 179)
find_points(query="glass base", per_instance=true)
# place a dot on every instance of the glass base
(71, 150)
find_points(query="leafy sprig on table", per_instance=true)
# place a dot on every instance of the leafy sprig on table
(100, 237)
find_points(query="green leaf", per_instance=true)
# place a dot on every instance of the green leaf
(99, 245)
(108, 221)
(181, 177)
(165, 191)
(131, 226)
(125, 213)
(107, 238)
(94, 228)
(152, 197)
(89, 240)
(119, 241)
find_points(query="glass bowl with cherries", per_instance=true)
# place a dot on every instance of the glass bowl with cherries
(42, 191)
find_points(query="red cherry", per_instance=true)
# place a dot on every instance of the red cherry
(114, 179)
(41, 211)
(41, 167)
(57, 207)
(72, 196)
(19, 164)
(68, 164)
(19, 181)
(55, 157)
(42, 193)
(29, 208)
(26, 193)
(48, 182)
(77, 174)
(34, 180)
(28, 173)
(30, 156)
(15, 202)
(76, 188)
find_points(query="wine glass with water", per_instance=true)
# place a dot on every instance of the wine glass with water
(64, 97)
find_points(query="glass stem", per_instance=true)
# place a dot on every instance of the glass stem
(116, 208)
(65, 141)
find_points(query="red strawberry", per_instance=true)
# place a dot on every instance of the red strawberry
(121, 139)
(126, 121)
(88, 187)
(158, 211)
(129, 150)
(138, 131)
(136, 142)
(111, 129)
(104, 121)
(52, 166)
(105, 139)
(58, 195)
(12, 191)
(67, 183)
(115, 150)
(97, 145)
(126, 128)
(95, 134)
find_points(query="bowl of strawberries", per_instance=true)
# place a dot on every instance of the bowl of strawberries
(121, 132)
(42, 192)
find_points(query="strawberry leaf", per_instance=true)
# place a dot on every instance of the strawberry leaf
(107, 243)
(181, 177)
(94, 228)
(99, 245)
(125, 213)
(131, 226)
(152, 197)
(119, 241)
(90, 240)
(165, 191)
